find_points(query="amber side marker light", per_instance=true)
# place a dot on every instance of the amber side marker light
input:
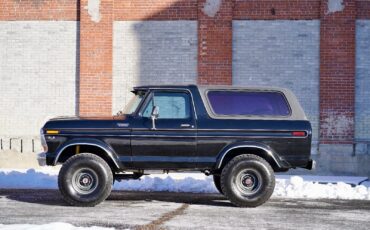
(52, 132)
(299, 134)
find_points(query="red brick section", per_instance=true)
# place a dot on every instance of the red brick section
(12, 10)
(155, 10)
(337, 73)
(95, 96)
(215, 44)
(169, 9)
(363, 9)
(337, 49)
(277, 9)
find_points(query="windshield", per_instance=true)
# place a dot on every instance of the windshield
(134, 103)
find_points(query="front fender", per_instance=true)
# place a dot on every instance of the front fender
(88, 141)
(250, 145)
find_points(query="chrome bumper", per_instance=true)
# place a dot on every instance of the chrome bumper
(41, 158)
(311, 165)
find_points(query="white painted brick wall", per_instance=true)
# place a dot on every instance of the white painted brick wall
(281, 53)
(152, 52)
(362, 117)
(37, 75)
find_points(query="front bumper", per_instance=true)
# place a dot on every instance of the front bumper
(41, 159)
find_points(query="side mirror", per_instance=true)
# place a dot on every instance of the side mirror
(155, 112)
(154, 115)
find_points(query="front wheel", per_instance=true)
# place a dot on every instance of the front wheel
(248, 180)
(85, 180)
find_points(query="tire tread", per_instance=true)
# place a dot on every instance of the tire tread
(226, 170)
(65, 167)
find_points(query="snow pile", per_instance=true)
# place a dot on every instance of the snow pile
(28, 179)
(169, 183)
(296, 187)
(54, 226)
(286, 186)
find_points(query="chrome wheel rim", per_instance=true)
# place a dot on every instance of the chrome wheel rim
(248, 182)
(85, 181)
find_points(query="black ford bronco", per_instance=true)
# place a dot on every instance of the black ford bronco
(240, 136)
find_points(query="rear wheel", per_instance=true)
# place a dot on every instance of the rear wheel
(85, 180)
(217, 182)
(248, 180)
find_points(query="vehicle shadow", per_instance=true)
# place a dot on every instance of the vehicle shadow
(187, 198)
(37, 196)
(54, 198)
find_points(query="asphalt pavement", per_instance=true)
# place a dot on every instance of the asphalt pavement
(159, 210)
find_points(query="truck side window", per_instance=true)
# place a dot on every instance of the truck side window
(172, 105)
(248, 103)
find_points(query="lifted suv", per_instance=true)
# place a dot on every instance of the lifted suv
(240, 136)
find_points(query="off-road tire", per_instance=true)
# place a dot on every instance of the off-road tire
(90, 163)
(217, 182)
(236, 180)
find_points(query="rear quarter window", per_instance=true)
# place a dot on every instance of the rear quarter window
(248, 103)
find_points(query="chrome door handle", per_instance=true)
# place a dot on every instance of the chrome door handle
(186, 126)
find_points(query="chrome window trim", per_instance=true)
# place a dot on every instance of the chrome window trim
(139, 113)
(140, 104)
(297, 112)
(248, 115)
(198, 136)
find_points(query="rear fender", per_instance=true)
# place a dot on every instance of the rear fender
(267, 152)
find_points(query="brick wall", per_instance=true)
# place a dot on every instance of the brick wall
(155, 10)
(276, 9)
(337, 72)
(280, 53)
(36, 83)
(51, 10)
(95, 91)
(362, 111)
(215, 42)
(363, 9)
(152, 52)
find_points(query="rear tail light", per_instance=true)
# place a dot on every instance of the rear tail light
(299, 134)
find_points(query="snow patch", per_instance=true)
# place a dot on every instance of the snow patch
(54, 226)
(169, 183)
(296, 187)
(335, 6)
(93, 9)
(28, 179)
(286, 186)
(352, 180)
(211, 7)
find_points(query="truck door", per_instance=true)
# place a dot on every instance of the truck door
(171, 141)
